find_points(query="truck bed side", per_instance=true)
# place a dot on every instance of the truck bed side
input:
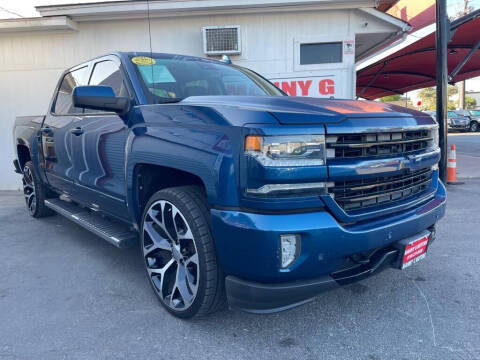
(25, 139)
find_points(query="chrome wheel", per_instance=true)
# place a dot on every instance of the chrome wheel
(170, 255)
(29, 190)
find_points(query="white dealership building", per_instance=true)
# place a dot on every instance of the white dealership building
(306, 47)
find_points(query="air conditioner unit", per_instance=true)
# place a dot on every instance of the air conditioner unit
(220, 40)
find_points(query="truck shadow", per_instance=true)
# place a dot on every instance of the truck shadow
(105, 291)
(328, 309)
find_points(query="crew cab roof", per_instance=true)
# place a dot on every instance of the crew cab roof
(126, 55)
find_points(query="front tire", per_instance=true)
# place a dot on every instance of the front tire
(34, 192)
(473, 126)
(179, 252)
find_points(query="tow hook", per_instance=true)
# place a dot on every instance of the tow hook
(359, 259)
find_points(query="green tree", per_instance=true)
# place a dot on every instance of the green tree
(452, 105)
(429, 97)
(452, 90)
(391, 98)
(470, 102)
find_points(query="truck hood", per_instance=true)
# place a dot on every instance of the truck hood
(306, 110)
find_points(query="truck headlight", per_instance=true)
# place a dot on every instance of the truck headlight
(291, 150)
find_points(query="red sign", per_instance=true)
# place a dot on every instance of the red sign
(415, 251)
(316, 87)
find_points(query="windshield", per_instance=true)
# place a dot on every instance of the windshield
(452, 114)
(475, 112)
(166, 79)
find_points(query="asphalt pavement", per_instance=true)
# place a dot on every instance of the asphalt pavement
(67, 294)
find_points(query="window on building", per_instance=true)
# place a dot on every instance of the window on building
(321, 53)
(63, 102)
(107, 73)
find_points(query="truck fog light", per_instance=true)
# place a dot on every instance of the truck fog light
(290, 247)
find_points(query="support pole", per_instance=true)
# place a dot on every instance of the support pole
(442, 38)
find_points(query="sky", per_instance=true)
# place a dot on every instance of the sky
(457, 6)
(26, 8)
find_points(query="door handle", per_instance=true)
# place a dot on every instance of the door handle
(77, 131)
(46, 130)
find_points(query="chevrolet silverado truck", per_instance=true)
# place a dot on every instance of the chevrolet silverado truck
(233, 190)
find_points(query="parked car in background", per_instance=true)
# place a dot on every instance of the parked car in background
(458, 121)
(475, 113)
(231, 188)
(474, 119)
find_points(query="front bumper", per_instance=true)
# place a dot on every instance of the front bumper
(268, 298)
(460, 127)
(248, 250)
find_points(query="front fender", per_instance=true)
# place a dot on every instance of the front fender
(205, 153)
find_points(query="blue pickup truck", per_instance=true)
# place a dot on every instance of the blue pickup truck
(234, 190)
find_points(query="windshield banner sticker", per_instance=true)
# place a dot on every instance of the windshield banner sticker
(143, 60)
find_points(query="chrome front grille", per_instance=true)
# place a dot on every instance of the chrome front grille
(364, 193)
(378, 144)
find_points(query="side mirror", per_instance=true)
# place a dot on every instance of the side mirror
(99, 98)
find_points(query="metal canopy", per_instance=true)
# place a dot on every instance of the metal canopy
(414, 66)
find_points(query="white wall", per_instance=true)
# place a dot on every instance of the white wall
(31, 62)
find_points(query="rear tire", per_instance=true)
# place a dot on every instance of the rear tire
(179, 254)
(34, 192)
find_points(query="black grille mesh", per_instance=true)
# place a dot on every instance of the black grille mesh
(378, 144)
(364, 193)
